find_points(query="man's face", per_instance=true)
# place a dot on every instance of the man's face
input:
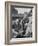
(16, 21)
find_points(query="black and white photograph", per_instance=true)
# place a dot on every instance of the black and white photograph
(21, 22)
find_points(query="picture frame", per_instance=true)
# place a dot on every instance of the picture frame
(19, 9)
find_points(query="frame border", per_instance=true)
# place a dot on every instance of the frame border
(7, 22)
